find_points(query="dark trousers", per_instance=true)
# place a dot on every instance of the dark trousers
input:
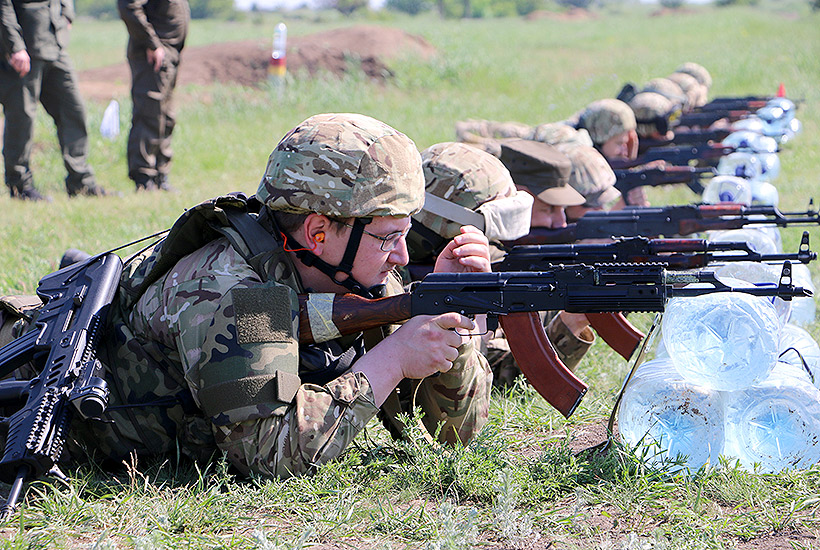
(54, 84)
(153, 117)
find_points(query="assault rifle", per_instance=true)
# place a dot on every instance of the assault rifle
(677, 155)
(673, 253)
(615, 329)
(707, 118)
(513, 300)
(747, 103)
(699, 138)
(626, 180)
(667, 221)
(62, 345)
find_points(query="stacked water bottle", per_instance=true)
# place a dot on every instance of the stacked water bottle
(729, 378)
(735, 375)
(754, 162)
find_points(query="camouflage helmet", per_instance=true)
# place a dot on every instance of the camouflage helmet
(652, 111)
(694, 90)
(607, 118)
(698, 71)
(464, 175)
(591, 176)
(344, 165)
(553, 133)
(669, 89)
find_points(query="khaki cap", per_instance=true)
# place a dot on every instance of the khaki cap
(542, 169)
(591, 176)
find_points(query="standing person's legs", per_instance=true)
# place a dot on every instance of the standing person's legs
(168, 79)
(146, 118)
(19, 98)
(61, 98)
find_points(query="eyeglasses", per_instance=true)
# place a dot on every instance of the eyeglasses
(389, 242)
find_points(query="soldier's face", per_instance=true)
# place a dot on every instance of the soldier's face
(616, 147)
(372, 264)
(547, 215)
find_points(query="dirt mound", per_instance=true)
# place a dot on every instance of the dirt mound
(246, 63)
(663, 12)
(572, 14)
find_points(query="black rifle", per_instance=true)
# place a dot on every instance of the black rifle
(514, 298)
(700, 138)
(674, 253)
(677, 155)
(62, 346)
(626, 180)
(707, 118)
(748, 103)
(667, 221)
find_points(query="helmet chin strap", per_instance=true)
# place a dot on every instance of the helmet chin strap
(310, 259)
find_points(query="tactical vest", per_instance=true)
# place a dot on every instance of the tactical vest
(235, 218)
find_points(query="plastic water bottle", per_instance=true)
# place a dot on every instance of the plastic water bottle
(669, 417)
(764, 193)
(724, 341)
(728, 189)
(757, 272)
(775, 423)
(758, 240)
(799, 349)
(804, 308)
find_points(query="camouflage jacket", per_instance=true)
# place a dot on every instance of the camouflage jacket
(205, 359)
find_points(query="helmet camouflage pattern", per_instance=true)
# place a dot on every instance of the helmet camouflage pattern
(606, 118)
(344, 165)
(464, 175)
(555, 133)
(698, 71)
(694, 90)
(647, 107)
(591, 175)
(668, 89)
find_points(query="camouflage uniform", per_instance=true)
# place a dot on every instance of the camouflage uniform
(470, 178)
(489, 135)
(202, 349)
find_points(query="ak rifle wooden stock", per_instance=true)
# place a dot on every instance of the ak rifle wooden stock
(667, 221)
(514, 298)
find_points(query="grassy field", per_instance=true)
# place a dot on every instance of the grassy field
(520, 485)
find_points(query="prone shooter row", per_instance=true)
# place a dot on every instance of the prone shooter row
(264, 327)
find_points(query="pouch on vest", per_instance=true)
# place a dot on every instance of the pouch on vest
(262, 314)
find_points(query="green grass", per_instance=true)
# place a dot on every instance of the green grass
(519, 485)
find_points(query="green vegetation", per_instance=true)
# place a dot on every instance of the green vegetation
(521, 484)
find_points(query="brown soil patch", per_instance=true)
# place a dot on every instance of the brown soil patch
(365, 48)
(572, 14)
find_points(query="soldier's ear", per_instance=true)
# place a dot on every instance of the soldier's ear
(314, 232)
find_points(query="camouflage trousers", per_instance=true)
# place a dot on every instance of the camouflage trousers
(153, 118)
